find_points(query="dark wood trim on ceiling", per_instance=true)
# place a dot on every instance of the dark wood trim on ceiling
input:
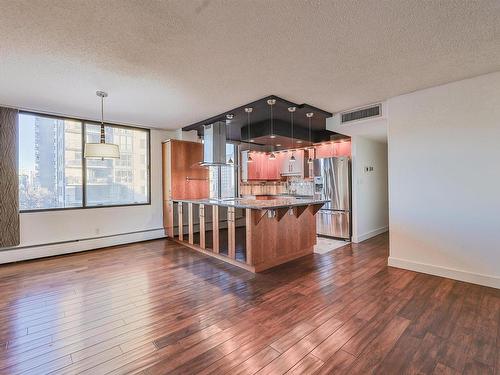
(222, 116)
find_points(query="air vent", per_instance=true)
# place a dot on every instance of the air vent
(362, 113)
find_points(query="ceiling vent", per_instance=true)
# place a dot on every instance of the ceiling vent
(361, 113)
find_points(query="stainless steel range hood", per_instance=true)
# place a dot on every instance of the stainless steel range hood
(214, 144)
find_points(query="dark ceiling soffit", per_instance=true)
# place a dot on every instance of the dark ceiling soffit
(221, 116)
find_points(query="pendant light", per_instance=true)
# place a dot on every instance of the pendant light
(292, 110)
(272, 102)
(249, 110)
(102, 149)
(309, 116)
(229, 117)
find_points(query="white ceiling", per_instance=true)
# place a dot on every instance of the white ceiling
(171, 63)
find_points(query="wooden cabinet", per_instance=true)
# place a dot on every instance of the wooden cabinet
(183, 178)
(293, 168)
(329, 150)
(261, 168)
(324, 150)
(274, 168)
(264, 169)
(251, 170)
(342, 149)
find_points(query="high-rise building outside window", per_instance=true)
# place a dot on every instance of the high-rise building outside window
(50, 163)
(118, 181)
(52, 168)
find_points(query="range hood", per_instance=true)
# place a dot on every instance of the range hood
(214, 144)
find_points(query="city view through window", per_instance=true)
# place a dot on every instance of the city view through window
(51, 169)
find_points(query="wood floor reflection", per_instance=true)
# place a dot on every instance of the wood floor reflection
(157, 307)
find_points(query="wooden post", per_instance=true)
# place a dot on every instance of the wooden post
(231, 233)
(168, 218)
(215, 219)
(190, 223)
(202, 226)
(181, 226)
(249, 226)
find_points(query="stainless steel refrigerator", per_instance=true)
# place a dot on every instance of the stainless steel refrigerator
(332, 182)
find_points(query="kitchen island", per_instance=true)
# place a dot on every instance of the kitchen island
(249, 233)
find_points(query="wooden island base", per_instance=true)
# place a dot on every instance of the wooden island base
(250, 238)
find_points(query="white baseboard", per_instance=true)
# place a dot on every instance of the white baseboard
(474, 278)
(17, 254)
(370, 234)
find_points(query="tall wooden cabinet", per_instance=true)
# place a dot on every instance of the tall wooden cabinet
(183, 177)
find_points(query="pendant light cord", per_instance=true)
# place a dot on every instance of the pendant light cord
(103, 135)
(309, 130)
(272, 124)
(248, 125)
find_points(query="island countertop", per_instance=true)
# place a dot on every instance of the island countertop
(256, 204)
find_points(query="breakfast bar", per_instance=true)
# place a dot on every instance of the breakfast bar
(249, 233)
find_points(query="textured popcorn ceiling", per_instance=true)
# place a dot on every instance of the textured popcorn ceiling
(172, 63)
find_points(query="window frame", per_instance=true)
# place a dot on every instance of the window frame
(83, 122)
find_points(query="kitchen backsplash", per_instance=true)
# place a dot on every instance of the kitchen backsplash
(300, 187)
(294, 186)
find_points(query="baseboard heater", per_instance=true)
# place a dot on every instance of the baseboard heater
(79, 240)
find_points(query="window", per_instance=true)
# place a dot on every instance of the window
(51, 165)
(222, 179)
(118, 181)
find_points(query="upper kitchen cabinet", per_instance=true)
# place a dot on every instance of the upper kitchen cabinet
(290, 167)
(274, 167)
(324, 150)
(342, 148)
(332, 149)
(260, 168)
(183, 177)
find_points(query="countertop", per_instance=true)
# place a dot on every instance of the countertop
(256, 204)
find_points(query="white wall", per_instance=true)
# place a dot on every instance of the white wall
(93, 228)
(444, 180)
(369, 191)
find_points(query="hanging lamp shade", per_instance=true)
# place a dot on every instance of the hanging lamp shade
(102, 150)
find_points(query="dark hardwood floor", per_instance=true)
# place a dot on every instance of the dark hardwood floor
(159, 308)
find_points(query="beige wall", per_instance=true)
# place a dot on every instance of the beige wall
(444, 180)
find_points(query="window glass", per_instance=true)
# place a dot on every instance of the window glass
(228, 173)
(51, 167)
(118, 181)
(50, 162)
(222, 179)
